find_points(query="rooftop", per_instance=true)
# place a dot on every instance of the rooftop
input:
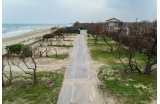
(113, 19)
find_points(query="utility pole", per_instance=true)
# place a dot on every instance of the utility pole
(136, 19)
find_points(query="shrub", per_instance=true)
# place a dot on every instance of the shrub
(48, 36)
(67, 30)
(61, 30)
(26, 51)
(15, 48)
(19, 48)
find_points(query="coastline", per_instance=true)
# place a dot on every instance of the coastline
(28, 37)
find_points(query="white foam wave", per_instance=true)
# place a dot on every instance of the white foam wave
(21, 30)
(14, 33)
(13, 30)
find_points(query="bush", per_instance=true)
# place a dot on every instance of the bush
(19, 48)
(15, 48)
(61, 30)
(48, 36)
(71, 30)
(66, 30)
(26, 51)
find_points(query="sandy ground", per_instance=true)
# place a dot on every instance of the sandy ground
(43, 63)
(29, 37)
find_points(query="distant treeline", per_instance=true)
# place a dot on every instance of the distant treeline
(67, 30)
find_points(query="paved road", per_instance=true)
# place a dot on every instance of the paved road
(78, 66)
(79, 86)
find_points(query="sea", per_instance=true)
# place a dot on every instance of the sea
(9, 30)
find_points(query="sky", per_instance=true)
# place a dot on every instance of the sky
(70, 11)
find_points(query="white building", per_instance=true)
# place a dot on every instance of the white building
(83, 32)
(113, 22)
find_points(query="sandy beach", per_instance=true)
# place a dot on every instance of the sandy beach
(27, 38)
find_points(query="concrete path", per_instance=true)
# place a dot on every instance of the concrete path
(79, 86)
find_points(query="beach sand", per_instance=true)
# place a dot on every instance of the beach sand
(43, 63)
(27, 38)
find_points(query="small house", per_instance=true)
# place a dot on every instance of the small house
(112, 22)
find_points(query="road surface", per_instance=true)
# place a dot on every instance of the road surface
(79, 86)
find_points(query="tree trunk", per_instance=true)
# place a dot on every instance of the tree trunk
(40, 55)
(35, 78)
(10, 77)
(110, 46)
(149, 63)
(2, 81)
(148, 68)
(95, 41)
(55, 51)
(2, 73)
(139, 71)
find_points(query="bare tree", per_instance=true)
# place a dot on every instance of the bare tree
(76, 24)
(94, 29)
(105, 35)
(151, 37)
(129, 53)
(128, 45)
(23, 59)
(6, 62)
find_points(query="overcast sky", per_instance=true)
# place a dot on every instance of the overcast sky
(69, 11)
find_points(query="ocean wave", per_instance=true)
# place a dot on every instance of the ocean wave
(14, 33)
(9, 30)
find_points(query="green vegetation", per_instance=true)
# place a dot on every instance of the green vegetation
(67, 30)
(127, 88)
(23, 91)
(17, 48)
(66, 46)
(59, 56)
(48, 36)
(26, 51)
(102, 53)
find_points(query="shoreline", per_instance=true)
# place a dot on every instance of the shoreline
(27, 37)
(24, 31)
(29, 32)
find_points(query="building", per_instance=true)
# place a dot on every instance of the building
(115, 24)
(112, 22)
(83, 32)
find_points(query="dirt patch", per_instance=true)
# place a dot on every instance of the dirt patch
(153, 102)
(51, 64)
